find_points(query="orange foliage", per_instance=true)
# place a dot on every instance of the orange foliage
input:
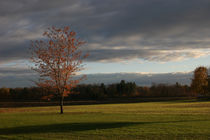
(57, 59)
(200, 80)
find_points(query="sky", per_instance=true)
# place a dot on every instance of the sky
(123, 36)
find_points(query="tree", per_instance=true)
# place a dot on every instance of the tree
(200, 80)
(57, 59)
(5, 92)
(208, 88)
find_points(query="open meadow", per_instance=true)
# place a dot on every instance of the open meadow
(150, 120)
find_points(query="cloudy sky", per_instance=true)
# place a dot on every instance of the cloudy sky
(123, 36)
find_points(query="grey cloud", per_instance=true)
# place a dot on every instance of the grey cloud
(17, 77)
(24, 78)
(153, 30)
(106, 55)
(16, 72)
(140, 79)
(14, 52)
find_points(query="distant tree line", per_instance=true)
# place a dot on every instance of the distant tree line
(200, 86)
(97, 91)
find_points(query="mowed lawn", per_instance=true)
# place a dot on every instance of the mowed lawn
(151, 120)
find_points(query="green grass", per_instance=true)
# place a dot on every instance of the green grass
(152, 120)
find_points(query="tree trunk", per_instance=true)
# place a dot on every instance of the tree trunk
(61, 105)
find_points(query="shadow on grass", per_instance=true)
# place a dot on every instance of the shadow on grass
(68, 127)
(64, 127)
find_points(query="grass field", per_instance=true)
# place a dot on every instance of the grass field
(151, 120)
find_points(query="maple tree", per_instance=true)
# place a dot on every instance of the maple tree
(57, 59)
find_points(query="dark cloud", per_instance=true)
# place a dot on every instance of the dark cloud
(153, 30)
(25, 78)
(141, 79)
(17, 77)
(16, 72)
(146, 54)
